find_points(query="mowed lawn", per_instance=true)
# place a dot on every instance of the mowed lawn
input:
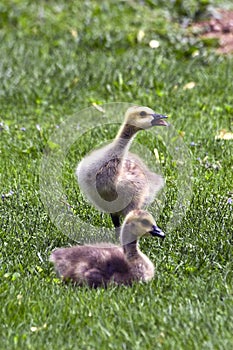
(58, 58)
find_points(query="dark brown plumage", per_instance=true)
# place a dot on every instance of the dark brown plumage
(103, 264)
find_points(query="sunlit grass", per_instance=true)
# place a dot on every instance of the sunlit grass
(55, 59)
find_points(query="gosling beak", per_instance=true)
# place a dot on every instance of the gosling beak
(158, 119)
(156, 231)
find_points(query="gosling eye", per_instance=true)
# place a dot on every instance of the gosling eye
(145, 222)
(143, 113)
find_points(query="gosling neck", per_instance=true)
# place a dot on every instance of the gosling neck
(125, 136)
(129, 243)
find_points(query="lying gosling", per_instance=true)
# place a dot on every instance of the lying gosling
(103, 264)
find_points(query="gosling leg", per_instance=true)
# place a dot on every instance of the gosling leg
(116, 222)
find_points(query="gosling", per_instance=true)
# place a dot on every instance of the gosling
(103, 264)
(115, 180)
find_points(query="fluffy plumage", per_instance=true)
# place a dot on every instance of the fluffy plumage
(102, 264)
(115, 180)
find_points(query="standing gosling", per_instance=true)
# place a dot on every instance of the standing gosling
(115, 180)
(101, 264)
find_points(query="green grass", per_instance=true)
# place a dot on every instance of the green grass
(57, 58)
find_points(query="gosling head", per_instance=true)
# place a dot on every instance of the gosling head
(141, 223)
(144, 117)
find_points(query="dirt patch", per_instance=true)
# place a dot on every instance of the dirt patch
(220, 27)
